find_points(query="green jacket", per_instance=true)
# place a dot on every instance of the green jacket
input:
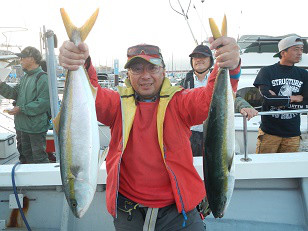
(32, 97)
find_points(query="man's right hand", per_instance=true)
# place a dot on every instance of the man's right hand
(72, 56)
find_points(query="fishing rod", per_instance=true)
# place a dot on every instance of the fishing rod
(185, 16)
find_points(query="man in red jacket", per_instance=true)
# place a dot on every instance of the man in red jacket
(151, 178)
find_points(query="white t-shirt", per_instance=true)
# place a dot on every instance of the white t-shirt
(198, 83)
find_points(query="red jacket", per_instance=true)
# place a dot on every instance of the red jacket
(187, 107)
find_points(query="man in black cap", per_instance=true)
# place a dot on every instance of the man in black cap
(201, 60)
(32, 109)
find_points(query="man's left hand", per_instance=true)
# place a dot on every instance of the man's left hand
(227, 52)
(14, 111)
(249, 112)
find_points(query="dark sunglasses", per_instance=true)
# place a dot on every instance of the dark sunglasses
(143, 49)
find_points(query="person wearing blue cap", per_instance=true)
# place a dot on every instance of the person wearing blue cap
(283, 86)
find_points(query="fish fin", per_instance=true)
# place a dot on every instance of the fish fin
(224, 26)
(234, 95)
(230, 165)
(75, 171)
(93, 89)
(102, 156)
(69, 26)
(214, 28)
(205, 126)
(56, 122)
(84, 30)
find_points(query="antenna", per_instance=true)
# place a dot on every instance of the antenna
(11, 29)
(201, 20)
(186, 18)
(239, 26)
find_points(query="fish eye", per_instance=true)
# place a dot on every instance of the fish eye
(74, 203)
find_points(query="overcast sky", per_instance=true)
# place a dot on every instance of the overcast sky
(123, 23)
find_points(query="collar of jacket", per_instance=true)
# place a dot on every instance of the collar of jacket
(128, 106)
(31, 72)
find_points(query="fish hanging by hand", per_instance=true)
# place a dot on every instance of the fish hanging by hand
(77, 129)
(219, 139)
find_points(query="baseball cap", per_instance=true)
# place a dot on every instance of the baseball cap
(203, 50)
(288, 42)
(30, 52)
(150, 53)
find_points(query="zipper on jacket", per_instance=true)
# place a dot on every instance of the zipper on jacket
(179, 192)
(118, 185)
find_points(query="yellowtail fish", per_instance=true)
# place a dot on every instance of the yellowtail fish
(219, 140)
(77, 128)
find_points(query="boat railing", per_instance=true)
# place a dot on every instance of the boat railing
(264, 113)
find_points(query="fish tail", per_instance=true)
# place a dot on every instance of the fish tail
(84, 30)
(214, 28)
(224, 26)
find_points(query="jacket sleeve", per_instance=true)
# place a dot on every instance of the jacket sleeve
(235, 76)
(194, 103)
(240, 103)
(41, 102)
(9, 92)
(107, 101)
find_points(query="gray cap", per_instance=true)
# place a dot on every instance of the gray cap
(30, 52)
(288, 42)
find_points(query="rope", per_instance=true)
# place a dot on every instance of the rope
(16, 197)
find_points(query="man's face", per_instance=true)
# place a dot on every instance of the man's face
(146, 78)
(27, 62)
(200, 62)
(293, 54)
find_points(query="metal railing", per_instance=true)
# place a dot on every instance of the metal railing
(264, 113)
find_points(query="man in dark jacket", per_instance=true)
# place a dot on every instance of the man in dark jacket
(201, 60)
(31, 113)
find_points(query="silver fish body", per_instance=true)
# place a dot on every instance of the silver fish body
(79, 142)
(219, 145)
(77, 128)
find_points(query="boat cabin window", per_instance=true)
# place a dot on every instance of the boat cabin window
(263, 44)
